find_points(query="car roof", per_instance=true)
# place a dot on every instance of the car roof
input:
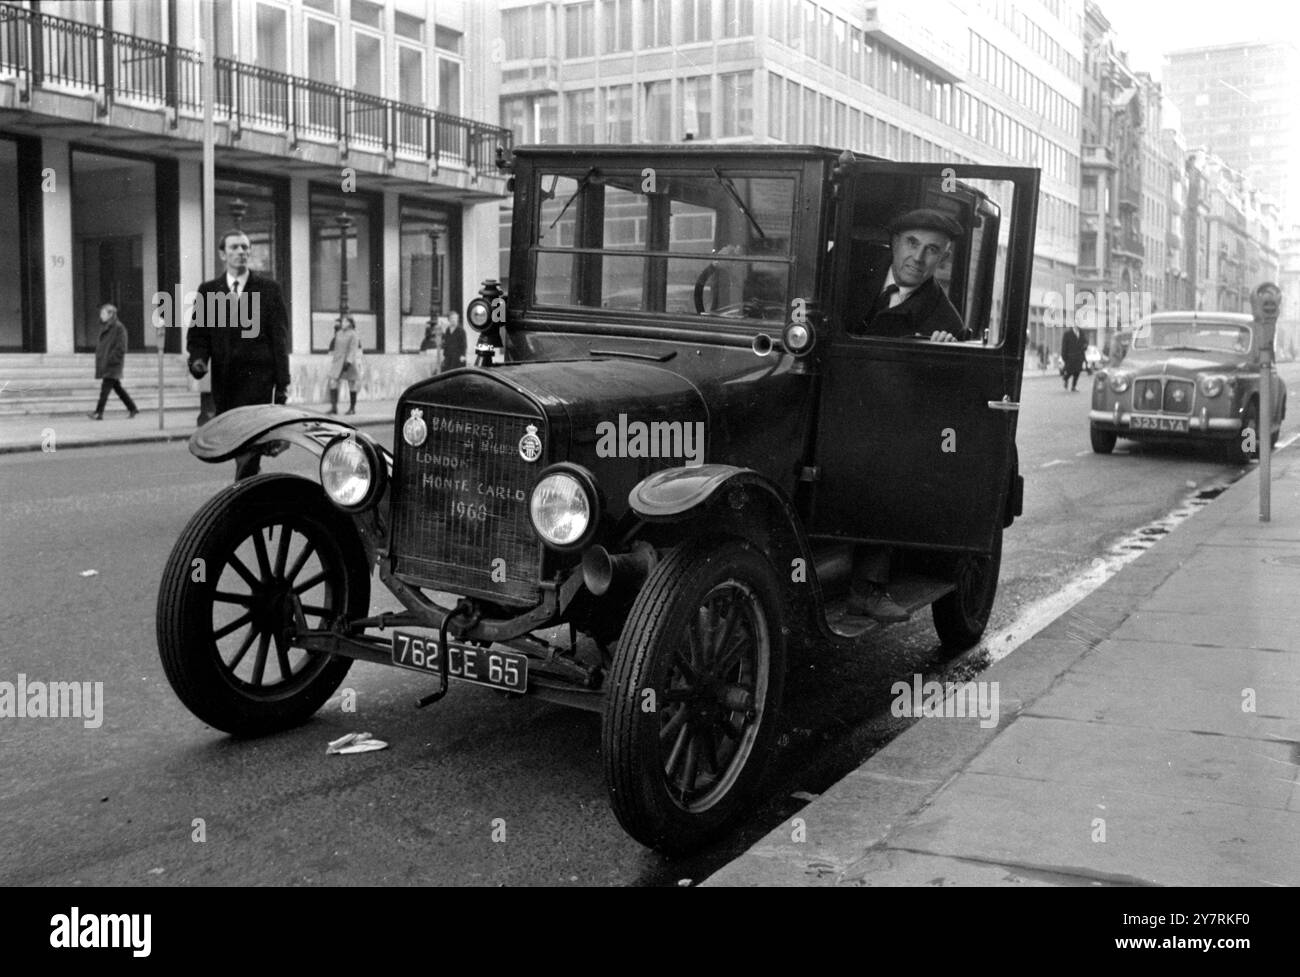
(1198, 315)
(687, 149)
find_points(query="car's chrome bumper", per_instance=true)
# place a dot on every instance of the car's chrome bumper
(1121, 420)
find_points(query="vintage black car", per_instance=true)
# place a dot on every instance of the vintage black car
(648, 491)
(1187, 376)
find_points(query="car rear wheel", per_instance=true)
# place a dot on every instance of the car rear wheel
(1103, 441)
(250, 560)
(694, 694)
(961, 616)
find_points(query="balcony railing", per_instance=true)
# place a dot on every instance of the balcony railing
(45, 51)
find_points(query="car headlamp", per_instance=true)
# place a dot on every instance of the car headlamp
(478, 312)
(1212, 384)
(564, 506)
(351, 472)
(1119, 382)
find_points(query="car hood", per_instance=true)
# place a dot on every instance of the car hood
(1186, 364)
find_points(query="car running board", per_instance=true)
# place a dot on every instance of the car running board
(913, 591)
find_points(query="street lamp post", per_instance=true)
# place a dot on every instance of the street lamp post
(435, 299)
(344, 222)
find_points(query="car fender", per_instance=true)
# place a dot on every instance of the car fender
(240, 429)
(717, 499)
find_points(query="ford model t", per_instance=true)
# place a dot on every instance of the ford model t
(680, 434)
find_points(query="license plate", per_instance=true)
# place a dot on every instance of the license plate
(483, 666)
(1156, 422)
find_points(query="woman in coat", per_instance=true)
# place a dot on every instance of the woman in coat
(345, 353)
(110, 356)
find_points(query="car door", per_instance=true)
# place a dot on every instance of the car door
(916, 439)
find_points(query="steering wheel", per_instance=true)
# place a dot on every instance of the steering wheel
(709, 272)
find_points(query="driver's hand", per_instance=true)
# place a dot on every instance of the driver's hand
(939, 336)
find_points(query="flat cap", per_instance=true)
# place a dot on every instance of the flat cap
(925, 219)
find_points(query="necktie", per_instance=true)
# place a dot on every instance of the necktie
(882, 302)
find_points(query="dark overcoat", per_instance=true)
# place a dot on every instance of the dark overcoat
(248, 365)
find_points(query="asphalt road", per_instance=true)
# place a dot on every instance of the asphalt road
(474, 790)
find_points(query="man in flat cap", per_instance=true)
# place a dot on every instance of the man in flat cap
(911, 304)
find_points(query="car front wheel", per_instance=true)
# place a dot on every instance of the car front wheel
(694, 694)
(1103, 441)
(252, 559)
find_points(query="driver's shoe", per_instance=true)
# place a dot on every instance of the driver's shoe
(878, 605)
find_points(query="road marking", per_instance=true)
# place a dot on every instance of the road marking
(1125, 550)
(1287, 442)
(1056, 461)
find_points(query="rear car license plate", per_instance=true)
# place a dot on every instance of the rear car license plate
(484, 666)
(1155, 422)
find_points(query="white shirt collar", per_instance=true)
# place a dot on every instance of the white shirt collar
(242, 279)
(904, 291)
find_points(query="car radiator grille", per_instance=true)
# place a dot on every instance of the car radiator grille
(1178, 397)
(460, 504)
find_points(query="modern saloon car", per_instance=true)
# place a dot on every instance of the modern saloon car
(653, 494)
(1188, 376)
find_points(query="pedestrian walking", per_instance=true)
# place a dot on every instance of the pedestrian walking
(345, 356)
(246, 347)
(110, 358)
(1073, 348)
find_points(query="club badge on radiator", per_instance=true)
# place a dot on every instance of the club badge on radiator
(530, 445)
(414, 431)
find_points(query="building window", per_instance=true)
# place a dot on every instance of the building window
(775, 89)
(579, 41)
(272, 38)
(547, 108)
(618, 114)
(411, 28)
(656, 23)
(446, 39)
(370, 14)
(429, 284)
(697, 107)
(1088, 194)
(658, 114)
(518, 34)
(363, 267)
(11, 270)
(737, 104)
(793, 113)
(448, 86)
(580, 108)
(616, 15)
(738, 17)
(695, 18)
(322, 63)
(369, 63)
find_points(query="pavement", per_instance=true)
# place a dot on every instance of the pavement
(1148, 736)
(32, 432)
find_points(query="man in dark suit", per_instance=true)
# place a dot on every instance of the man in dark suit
(240, 331)
(909, 303)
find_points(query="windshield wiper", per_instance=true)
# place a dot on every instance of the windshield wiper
(582, 185)
(735, 195)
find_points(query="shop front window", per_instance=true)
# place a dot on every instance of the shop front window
(429, 282)
(363, 269)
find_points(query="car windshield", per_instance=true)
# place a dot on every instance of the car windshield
(1210, 336)
(699, 242)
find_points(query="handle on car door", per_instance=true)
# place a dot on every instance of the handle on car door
(1006, 403)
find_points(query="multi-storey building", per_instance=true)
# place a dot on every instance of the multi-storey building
(1288, 341)
(961, 81)
(1235, 232)
(379, 110)
(1239, 102)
